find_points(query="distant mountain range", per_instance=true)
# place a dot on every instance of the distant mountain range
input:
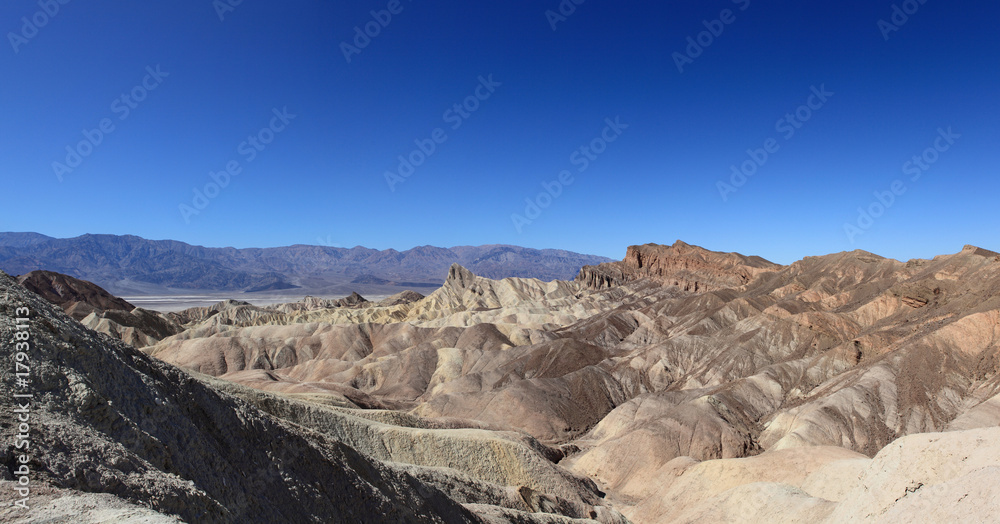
(133, 265)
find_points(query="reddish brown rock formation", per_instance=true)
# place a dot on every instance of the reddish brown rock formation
(691, 268)
(76, 297)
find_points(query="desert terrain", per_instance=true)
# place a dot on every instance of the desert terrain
(676, 385)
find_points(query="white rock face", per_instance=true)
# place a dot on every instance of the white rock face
(932, 477)
(929, 477)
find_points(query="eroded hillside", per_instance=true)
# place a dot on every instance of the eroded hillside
(689, 385)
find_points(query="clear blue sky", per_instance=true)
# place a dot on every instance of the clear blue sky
(323, 176)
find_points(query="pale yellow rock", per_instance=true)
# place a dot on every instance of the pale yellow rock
(680, 489)
(956, 471)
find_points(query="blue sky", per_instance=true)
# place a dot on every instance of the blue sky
(322, 175)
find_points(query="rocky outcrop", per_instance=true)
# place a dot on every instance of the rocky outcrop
(691, 268)
(196, 315)
(404, 297)
(310, 303)
(978, 251)
(76, 297)
(99, 310)
(603, 276)
(138, 328)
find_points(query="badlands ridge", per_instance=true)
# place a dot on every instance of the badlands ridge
(677, 385)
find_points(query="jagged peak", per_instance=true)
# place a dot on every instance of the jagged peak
(459, 275)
